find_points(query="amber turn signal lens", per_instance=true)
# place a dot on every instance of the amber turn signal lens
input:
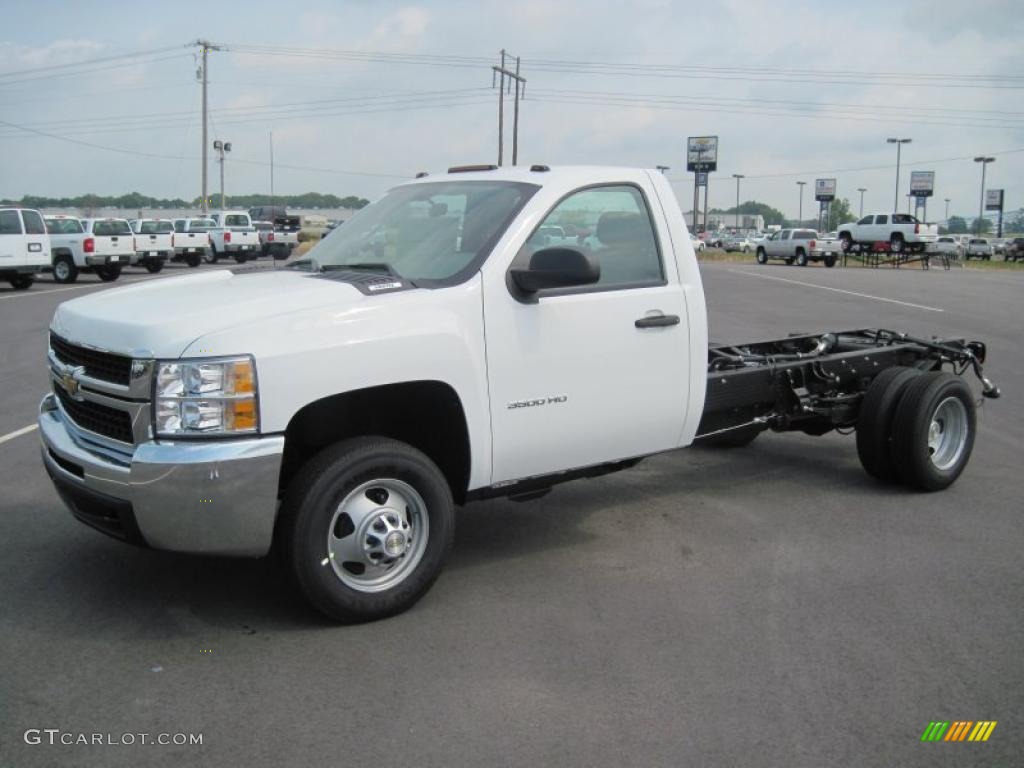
(243, 378)
(240, 415)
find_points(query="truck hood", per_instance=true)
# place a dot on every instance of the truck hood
(160, 318)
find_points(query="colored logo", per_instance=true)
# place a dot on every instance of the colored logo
(959, 730)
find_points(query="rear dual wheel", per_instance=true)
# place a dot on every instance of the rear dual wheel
(916, 427)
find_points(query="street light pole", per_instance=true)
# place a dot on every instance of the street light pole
(663, 168)
(862, 190)
(738, 176)
(222, 147)
(947, 211)
(981, 204)
(899, 143)
(800, 216)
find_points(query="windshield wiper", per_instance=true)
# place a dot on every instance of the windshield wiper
(368, 266)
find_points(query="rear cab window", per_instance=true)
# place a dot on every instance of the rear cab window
(111, 228)
(236, 220)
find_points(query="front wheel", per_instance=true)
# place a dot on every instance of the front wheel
(21, 282)
(193, 260)
(241, 258)
(896, 243)
(846, 242)
(211, 255)
(154, 266)
(830, 261)
(365, 528)
(933, 431)
(762, 256)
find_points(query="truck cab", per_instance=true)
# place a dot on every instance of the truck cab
(154, 242)
(24, 246)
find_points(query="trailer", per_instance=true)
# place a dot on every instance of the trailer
(880, 253)
(913, 414)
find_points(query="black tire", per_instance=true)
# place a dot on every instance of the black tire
(241, 258)
(193, 260)
(874, 423)
(845, 242)
(801, 257)
(283, 253)
(936, 398)
(109, 273)
(762, 256)
(736, 438)
(789, 261)
(830, 261)
(21, 282)
(154, 266)
(309, 507)
(896, 244)
(211, 255)
(64, 269)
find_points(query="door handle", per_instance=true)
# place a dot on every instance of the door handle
(657, 321)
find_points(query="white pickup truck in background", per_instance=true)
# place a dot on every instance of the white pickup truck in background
(278, 243)
(795, 246)
(233, 235)
(901, 231)
(192, 240)
(154, 242)
(24, 246)
(102, 246)
(427, 354)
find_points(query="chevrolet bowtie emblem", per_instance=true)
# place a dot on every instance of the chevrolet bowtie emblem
(69, 380)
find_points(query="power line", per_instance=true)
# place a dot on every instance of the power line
(90, 71)
(87, 62)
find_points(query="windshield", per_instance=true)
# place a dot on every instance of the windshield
(426, 232)
(111, 227)
(155, 227)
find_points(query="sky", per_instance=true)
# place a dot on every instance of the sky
(361, 95)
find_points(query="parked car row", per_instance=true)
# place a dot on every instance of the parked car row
(68, 246)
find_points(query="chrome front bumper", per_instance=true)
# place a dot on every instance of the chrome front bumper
(211, 497)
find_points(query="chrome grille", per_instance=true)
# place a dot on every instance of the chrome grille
(104, 366)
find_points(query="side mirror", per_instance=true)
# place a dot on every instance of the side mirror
(556, 268)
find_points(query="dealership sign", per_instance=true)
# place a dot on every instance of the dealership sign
(922, 183)
(825, 190)
(702, 179)
(702, 153)
(993, 199)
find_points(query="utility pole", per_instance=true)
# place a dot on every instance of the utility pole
(862, 190)
(271, 167)
(899, 143)
(738, 176)
(947, 211)
(800, 216)
(498, 75)
(205, 47)
(707, 184)
(981, 205)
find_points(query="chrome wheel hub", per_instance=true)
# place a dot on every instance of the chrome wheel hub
(947, 433)
(378, 535)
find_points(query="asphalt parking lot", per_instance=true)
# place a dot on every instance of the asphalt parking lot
(770, 606)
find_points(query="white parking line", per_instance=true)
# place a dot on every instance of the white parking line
(125, 281)
(17, 433)
(839, 290)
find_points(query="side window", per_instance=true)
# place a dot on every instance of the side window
(784, 235)
(881, 219)
(613, 225)
(33, 223)
(866, 220)
(10, 224)
(179, 225)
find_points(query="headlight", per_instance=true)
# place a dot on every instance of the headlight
(205, 397)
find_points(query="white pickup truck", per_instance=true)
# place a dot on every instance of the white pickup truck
(102, 246)
(426, 355)
(24, 246)
(192, 240)
(154, 242)
(233, 235)
(901, 231)
(278, 243)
